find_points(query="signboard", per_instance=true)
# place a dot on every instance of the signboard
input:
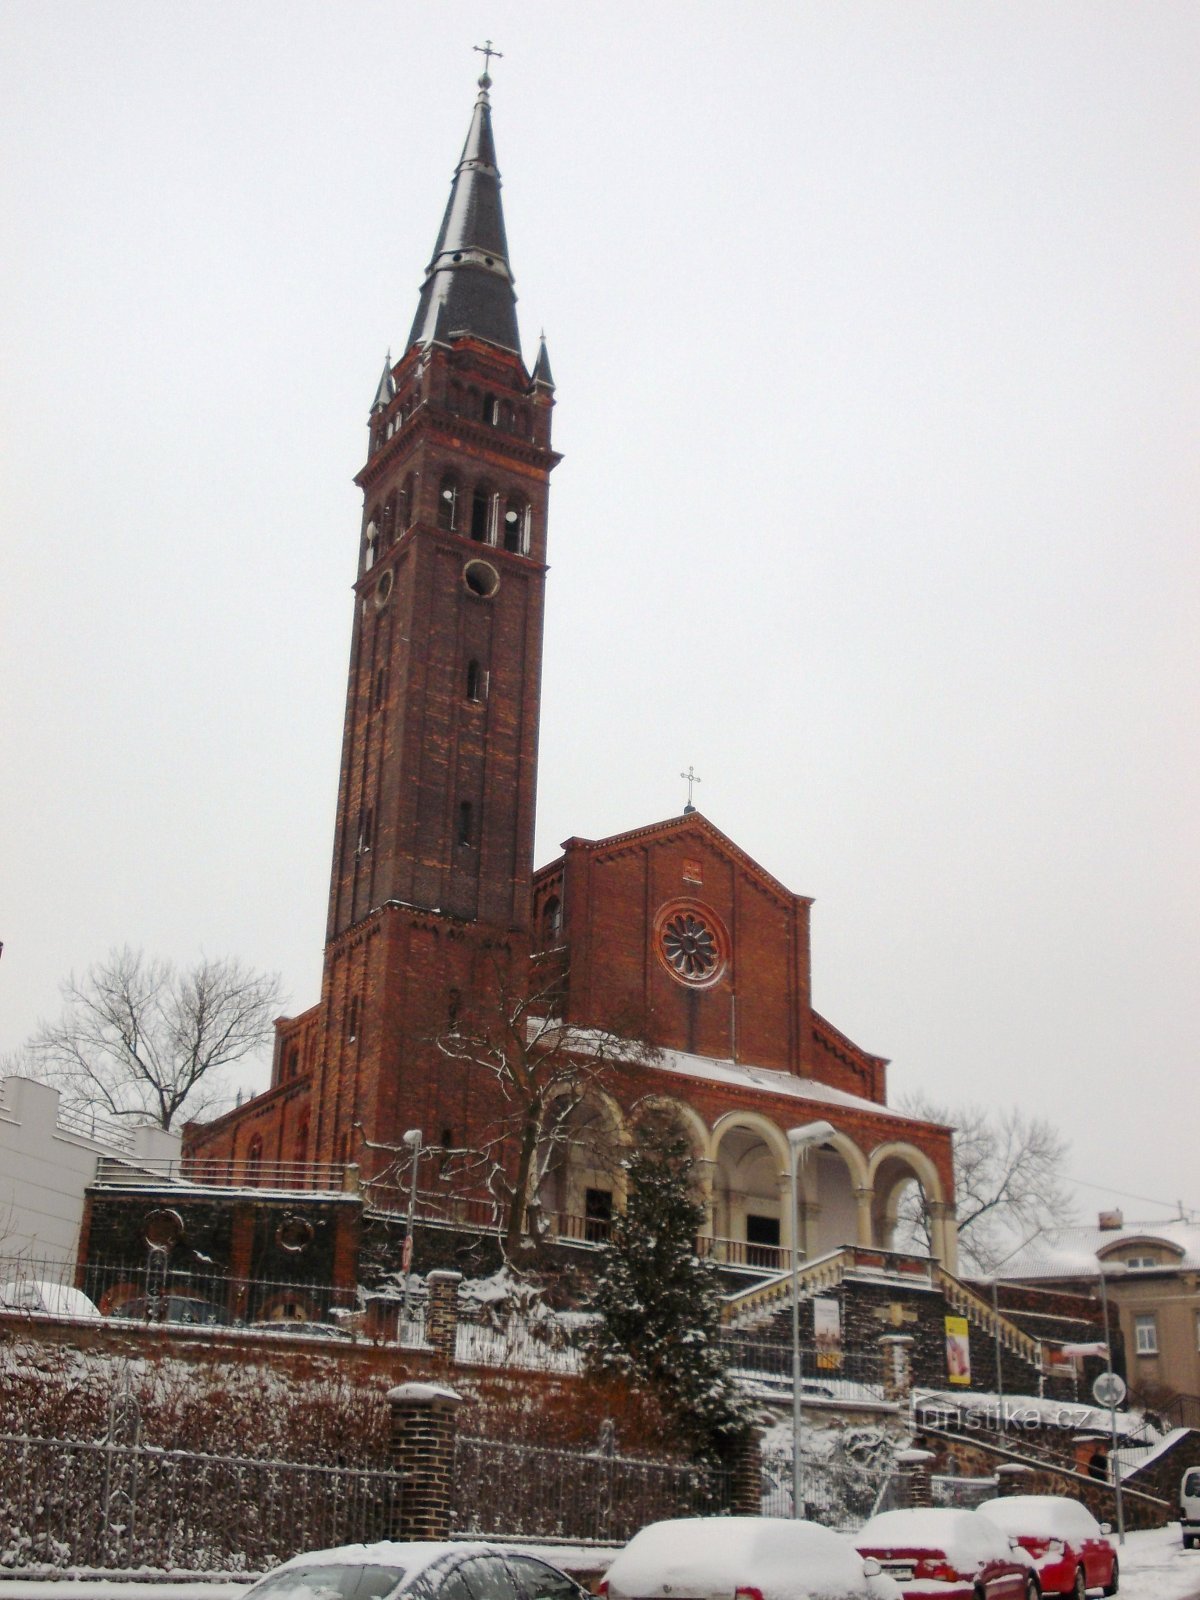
(958, 1351)
(1109, 1389)
(827, 1333)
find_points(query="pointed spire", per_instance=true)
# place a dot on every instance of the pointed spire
(541, 367)
(387, 387)
(468, 284)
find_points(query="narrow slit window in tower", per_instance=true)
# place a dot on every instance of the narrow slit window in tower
(465, 820)
(481, 506)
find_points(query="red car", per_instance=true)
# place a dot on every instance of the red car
(953, 1555)
(1068, 1545)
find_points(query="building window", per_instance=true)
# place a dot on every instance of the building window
(762, 1241)
(1145, 1335)
(516, 525)
(380, 681)
(476, 681)
(453, 1006)
(366, 825)
(552, 920)
(406, 503)
(481, 514)
(448, 503)
(465, 822)
(352, 1018)
(254, 1159)
(1140, 1261)
(597, 1215)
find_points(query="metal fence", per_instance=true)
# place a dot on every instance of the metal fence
(526, 1490)
(544, 1344)
(149, 1291)
(826, 1375)
(116, 1508)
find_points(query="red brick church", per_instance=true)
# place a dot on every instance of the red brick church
(668, 934)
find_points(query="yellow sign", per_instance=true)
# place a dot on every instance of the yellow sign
(958, 1350)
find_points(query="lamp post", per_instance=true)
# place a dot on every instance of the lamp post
(799, 1139)
(1114, 1269)
(412, 1139)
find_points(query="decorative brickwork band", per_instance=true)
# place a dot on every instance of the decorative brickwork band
(897, 1366)
(745, 1475)
(424, 1425)
(441, 1312)
(914, 1469)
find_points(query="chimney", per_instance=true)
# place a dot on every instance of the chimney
(1111, 1220)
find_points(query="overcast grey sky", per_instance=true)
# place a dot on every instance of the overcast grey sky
(875, 329)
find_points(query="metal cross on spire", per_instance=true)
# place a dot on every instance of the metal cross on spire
(690, 778)
(486, 51)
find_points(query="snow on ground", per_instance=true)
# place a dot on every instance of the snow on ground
(1154, 1566)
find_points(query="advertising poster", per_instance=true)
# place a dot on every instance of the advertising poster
(958, 1350)
(827, 1334)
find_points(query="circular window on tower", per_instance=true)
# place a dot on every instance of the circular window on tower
(481, 578)
(691, 942)
(383, 591)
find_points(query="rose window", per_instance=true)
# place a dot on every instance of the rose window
(690, 947)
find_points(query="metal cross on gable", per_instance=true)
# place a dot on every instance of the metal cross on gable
(691, 779)
(486, 51)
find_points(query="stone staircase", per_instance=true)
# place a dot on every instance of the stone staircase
(756, 1308)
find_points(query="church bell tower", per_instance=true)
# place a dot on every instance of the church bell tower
(431, 885)
(436, 802)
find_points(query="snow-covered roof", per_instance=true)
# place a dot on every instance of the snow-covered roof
(715, 1070)
(1072, 1252)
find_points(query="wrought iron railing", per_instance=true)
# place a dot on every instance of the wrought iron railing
(151, 1291)
(826, 1374)
(125, 1508)
(226, 1172)
(517, 1490)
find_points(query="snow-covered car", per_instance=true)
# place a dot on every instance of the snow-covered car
(1189, 1507)
(955, 1555)
(47, 1297)
(424, 1571)
(1068, 1545)
(743, 1558)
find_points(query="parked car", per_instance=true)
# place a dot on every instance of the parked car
(743, 1558)
(46, 1296)
(295, 1329)
(1068, 1545)
(188, 1308)
(1189, 1507)
(963, 1553)
(424, 1571)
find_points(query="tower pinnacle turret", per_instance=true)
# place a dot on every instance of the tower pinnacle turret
(468, 286)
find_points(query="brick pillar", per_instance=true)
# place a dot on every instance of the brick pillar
(897, 1366)
(346, 1229)
(441, 1312)
(241, 1260)
(423, 1429)
(1013, 1477)
(914, 1469)
(745, 1475)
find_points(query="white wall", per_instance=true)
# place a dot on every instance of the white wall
(45, 1165)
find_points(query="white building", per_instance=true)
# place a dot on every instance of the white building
(48, 1157)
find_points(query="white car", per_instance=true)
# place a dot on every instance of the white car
(743, 1558)
(47, 1297)
(424, 1571)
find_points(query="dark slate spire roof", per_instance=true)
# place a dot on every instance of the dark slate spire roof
(541, 367)
(387, 386)
(468, 284)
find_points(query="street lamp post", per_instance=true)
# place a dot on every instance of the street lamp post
(799, 1139)
(412, 1139)
(1113, 1269)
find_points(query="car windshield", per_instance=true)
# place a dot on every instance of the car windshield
(329, 1581)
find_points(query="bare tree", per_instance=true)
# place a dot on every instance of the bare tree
(140, 1039)
(1007, 1179)
(546, 1078)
